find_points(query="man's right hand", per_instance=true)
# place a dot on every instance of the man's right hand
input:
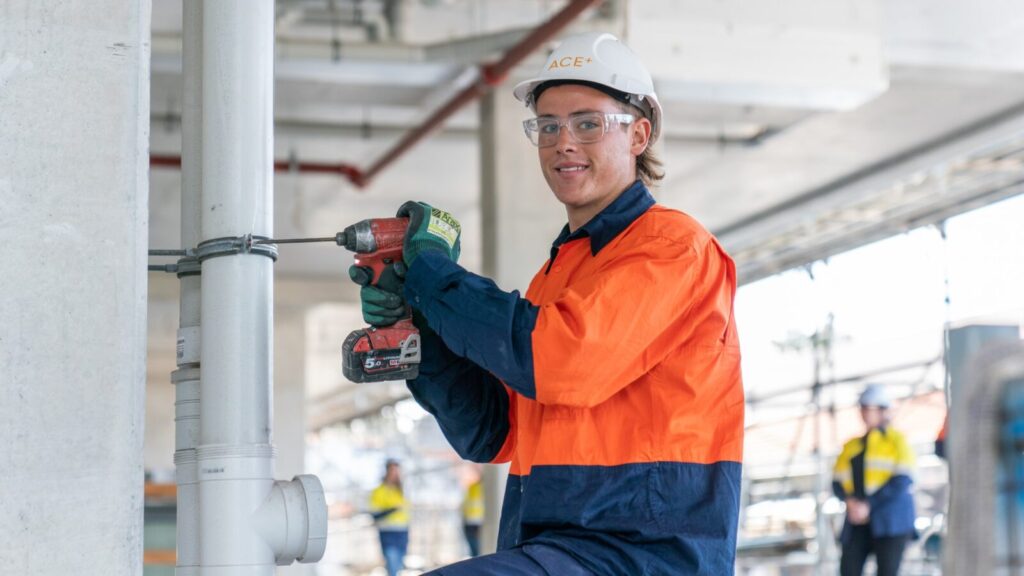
(383, 304)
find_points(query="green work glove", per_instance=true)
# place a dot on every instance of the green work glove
(429, 229)
(383, 304)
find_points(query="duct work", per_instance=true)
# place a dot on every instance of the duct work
(487, 77)
(233, 518)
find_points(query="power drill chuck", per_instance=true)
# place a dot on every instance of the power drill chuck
(357, 238)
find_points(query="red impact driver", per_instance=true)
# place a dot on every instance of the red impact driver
(378, 353)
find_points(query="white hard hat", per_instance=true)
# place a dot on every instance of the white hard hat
(598, 58)
(874, 395)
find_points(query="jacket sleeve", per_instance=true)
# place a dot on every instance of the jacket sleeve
(475, 319)
(470, 404)
(902, 474)
(597, 336)
(893, 487)
(838, 490)
(842, 473)
(381, 505)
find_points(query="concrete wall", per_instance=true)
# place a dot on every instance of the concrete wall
(74, 96)
(289, 391)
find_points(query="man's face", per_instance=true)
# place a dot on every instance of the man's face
(588, 177)
(873, 416)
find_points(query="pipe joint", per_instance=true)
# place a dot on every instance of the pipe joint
(229, 246)
(293, 520)
(189, 347)
(186, 408)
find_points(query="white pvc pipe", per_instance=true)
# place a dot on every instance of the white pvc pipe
(187, 377)
(247, 522)
(186, 418)
(235, 456)
(191, 150)
(237, 191)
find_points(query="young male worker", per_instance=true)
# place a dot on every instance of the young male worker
(613, 387)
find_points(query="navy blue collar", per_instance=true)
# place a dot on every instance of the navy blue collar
(608, 223)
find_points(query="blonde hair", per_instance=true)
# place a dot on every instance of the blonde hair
(648, 165)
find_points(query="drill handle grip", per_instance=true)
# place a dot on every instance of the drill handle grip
(385, 275)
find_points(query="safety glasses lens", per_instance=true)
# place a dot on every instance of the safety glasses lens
(585, 128)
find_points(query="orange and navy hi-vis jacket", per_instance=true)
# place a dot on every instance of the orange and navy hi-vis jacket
(613, 389)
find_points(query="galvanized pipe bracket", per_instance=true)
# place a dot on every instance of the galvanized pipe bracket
(188, 266)
(229, 246)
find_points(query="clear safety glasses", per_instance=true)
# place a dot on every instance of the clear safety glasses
(584, 127)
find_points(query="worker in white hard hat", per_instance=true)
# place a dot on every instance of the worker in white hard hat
(613, 387)
(873, 476)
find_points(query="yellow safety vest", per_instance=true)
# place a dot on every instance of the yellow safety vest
(385, 497)
(887, 455)
(473, 505)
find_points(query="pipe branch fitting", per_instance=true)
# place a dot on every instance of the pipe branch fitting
(293, 520)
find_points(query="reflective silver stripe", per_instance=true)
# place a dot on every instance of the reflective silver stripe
(903, 470)
(879, 464)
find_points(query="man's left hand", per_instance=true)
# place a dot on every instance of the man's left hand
(429, 229)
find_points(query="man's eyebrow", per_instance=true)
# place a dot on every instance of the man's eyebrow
(582, 111)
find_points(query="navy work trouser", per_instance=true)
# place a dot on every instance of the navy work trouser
(888, 552)
(527, 560)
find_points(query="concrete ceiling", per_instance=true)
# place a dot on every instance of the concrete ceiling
(794, 130)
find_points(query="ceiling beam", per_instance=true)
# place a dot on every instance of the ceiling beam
(966, 168)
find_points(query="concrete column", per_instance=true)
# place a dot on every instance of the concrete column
(520, 215)
(290, 390)
(494, 477)
(74, 115)
(520, 218)
(290, 403)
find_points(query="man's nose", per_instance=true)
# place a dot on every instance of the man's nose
(565, 139)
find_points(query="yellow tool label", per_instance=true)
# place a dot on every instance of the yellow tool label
(444, 226)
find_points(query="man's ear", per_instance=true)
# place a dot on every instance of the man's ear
(640, 135)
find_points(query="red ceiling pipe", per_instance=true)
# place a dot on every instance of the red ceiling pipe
(490, 76)
(350, 172)
(355, 175)
(164, 161)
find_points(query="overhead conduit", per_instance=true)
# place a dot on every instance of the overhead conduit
(490, 75)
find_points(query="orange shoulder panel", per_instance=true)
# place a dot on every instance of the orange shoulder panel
(636, 357)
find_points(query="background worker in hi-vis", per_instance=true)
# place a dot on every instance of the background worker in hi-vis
(613, 387)
(873, 475)
(391, 514)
